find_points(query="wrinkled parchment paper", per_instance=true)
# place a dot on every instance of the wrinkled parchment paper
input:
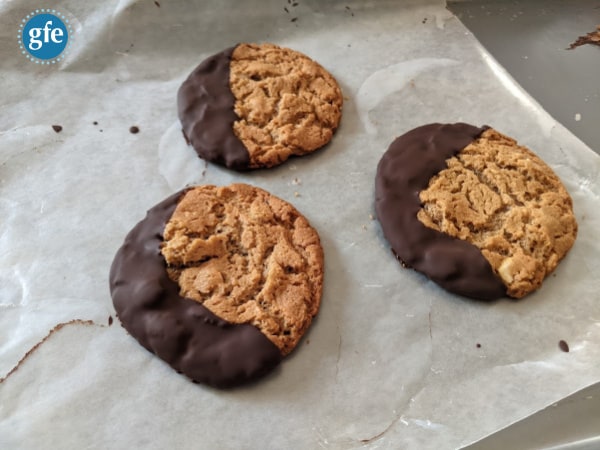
(391, 362)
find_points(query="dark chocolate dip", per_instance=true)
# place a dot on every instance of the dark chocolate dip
(179, 330)
(206, 110)
(403, 172)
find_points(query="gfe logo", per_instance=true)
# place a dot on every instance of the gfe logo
(44, 35)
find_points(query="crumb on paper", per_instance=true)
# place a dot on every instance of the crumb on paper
(478, 345)
(157, 4)
(296, 181)
(592, 38)
(371, 217)
(134, 129)
(563, 346)
(577, 117)
(296, 194)
(57, 128)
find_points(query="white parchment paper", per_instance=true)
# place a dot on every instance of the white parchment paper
(391, 362)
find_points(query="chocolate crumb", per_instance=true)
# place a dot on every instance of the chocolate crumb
(286, 10)
(294, 19)
(95, 123)
(134, 130)
(424, 20)
(101, 130)
(157, 4)
(307, 341)
(563, 346)
(347, 7)
(592, 38)
(478, 345)
(57, 128)
(295, 4)
(110, 321)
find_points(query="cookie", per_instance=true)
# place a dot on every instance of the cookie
(474, 211)
(253, 106)
(220, 282)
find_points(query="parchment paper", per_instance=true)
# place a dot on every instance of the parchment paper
(391, 362)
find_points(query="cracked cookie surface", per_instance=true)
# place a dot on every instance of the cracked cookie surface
(287, 104)
(506, 201)
(248, 257)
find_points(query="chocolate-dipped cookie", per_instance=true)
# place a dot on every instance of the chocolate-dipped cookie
(474, 211)
(220, 282)
(253, 106)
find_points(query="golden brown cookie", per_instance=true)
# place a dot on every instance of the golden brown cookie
(219, 282)
(475, 211)
(248, 257)
(253, 106)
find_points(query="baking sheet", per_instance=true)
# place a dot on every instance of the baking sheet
(391, 362)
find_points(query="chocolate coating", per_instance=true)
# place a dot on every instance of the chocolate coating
(181, 331)
(205, 105)
(403, 172)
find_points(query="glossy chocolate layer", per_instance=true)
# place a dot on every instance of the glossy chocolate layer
(403, 172)
(205, 105)
(179, 330)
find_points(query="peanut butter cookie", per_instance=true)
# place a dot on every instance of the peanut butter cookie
(253, 106)
(220, 282)
(474, 211)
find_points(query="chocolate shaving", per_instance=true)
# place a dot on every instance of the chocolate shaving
(50, 333)
(592, 38)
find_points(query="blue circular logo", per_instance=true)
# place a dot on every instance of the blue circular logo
(44, 35)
